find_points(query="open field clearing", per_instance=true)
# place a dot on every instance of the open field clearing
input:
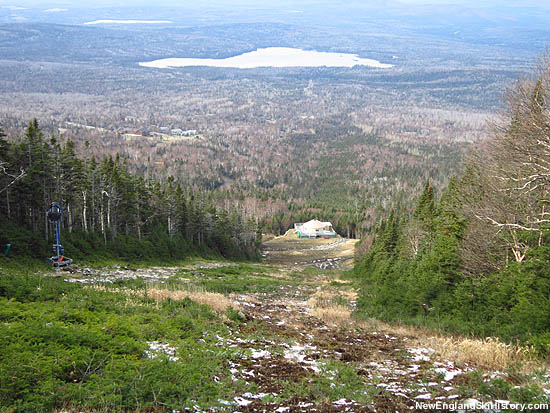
(331, 253)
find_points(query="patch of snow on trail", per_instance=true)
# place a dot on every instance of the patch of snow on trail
(448, 369)
(299, 354)
(256, 354)
(426, 396)
(242, 402)
(421, 353)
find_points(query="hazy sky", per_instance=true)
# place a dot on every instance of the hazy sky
(269, 3)
(424, 5)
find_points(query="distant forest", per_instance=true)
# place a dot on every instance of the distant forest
(109, 212)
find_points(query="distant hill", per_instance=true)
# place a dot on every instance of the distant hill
(345, 141)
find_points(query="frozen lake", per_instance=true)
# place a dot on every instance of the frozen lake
(129, 22)
(273, 57)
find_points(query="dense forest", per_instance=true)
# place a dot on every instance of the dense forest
(108, 212)
(476, 260)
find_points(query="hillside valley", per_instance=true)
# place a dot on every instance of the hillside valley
(366, 135)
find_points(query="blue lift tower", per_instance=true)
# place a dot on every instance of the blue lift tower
(54, 216)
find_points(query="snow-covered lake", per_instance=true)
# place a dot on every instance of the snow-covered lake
(130, 22)
(273, 57)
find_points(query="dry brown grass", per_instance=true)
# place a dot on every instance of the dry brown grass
(323, 305)
(282, 273)
(400, 330)
(216, 301)
(489, 353)
(133, 297)
(349, 293)
(333, 314)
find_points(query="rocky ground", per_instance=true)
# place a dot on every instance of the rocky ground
(396, 372)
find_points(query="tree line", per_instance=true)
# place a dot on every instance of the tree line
(106, 206)
(476, 260)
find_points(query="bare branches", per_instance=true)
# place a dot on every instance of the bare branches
(514, 226)
(14, 178)
(510, 189)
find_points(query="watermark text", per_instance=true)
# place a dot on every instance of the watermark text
(477, 405)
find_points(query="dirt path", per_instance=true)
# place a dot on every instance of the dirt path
(313, 339)
(395, 372)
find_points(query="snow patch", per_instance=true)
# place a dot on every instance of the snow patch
(257, 396)
(156, 349)
(256, 354)
(344, 402)
(421, 353)
(449, 375)
(242, 402)
(426, 396)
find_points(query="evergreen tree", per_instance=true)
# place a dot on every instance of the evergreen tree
(425, 209)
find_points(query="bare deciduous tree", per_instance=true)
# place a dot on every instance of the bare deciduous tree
(511, 197)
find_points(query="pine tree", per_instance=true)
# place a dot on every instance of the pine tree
(33, 191)
(425, 209)
(72, 182)
(389, 235)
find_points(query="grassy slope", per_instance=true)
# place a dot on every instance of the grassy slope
(68, 344)
(64, 344)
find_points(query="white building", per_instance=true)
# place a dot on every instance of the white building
(314, 229)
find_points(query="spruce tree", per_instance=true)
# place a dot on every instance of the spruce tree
(425, 209)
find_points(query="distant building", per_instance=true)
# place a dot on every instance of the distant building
(129, 136)
(181, 132)
(314, 229)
